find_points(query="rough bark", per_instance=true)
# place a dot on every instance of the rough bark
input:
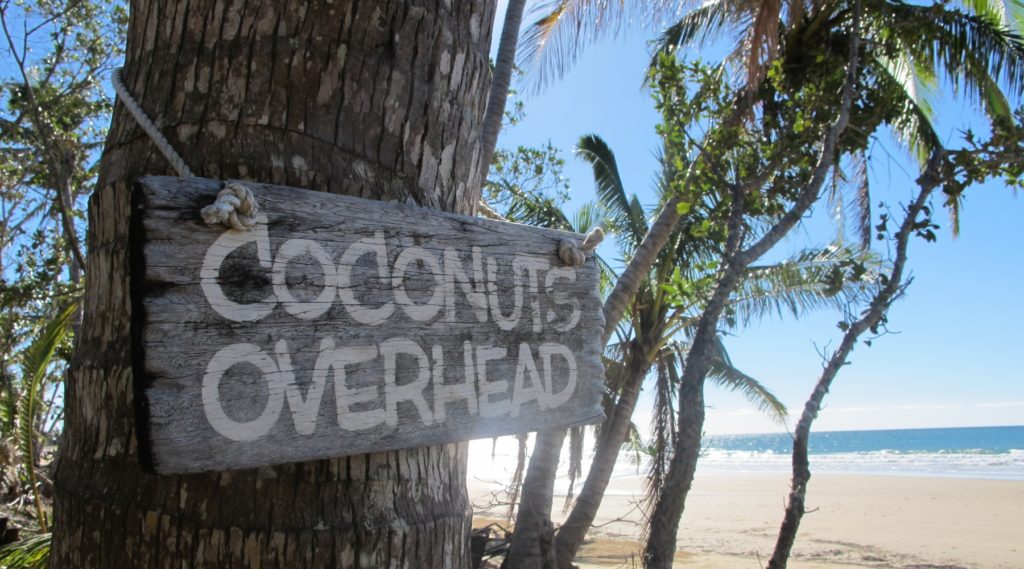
(659, 551)
(380, 100)
(879, 306)
(613, 435)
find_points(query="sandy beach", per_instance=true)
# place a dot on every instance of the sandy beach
(891, 522)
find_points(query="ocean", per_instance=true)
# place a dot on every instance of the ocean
(991, 453)
(964, 452)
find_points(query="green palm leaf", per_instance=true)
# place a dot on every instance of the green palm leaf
(587, 217)
(625, 212)
(810, 280)
(973, 50)
(1010, 15)
(29, 553)
(724, 374)
(913, 123)
(35, 365)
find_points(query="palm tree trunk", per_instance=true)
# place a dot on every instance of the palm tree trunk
(614, 308)
(613, 434)
(501, 80)
(664, 521)
(332, 95)
(640, 265)
(532, 544)
(879, 306)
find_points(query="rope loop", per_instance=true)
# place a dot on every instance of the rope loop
(574, 255)
(234, 207)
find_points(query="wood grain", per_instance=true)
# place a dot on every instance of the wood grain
(340, 326)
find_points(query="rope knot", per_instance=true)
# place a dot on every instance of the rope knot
(235, 207)
(574, 255)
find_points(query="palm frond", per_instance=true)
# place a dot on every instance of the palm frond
(913, 123)
(587, 217)
(805, 282)
(515, 485)
(575, 463)
(624, 213)
(700, 25)
(35, 367)
(974, 50)
(724, 374)
(764, 39)
(564, 28)
(28, 553)
(8, 404)
(862, 199)
(1009, 13)
(535, 209)
(663, 422)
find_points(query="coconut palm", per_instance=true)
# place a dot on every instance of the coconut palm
(665, 310)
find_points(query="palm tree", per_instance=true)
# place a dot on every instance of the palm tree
(666, 308)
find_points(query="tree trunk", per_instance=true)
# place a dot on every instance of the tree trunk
(660, 550)
(381, 100)
(532, 544)
(614, 308)
(663, 522)
(871, 318)
(613, 434)
(639, 267)
(501, 81)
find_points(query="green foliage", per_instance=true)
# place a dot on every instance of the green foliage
(526, 185)
(30, 408)
(53, 115)
(625, 215)
(29, 553)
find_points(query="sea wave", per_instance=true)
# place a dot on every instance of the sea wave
(980, 453)
(973, 463)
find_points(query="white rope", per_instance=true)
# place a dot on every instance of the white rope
(147, 125)
(574, 255)
(235, 207)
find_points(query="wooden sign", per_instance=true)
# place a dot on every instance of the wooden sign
(339, 325)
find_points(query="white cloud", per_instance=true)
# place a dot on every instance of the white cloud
(1000, 404)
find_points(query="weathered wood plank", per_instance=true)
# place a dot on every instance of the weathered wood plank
(340, 326)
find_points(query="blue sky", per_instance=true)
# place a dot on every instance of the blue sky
(954, 357)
